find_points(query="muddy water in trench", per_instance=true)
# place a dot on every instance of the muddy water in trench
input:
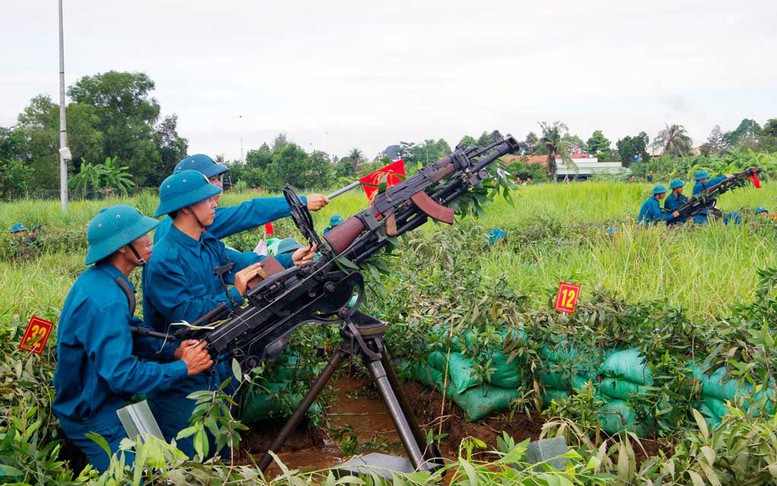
(353, 407)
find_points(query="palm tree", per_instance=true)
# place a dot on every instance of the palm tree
(674, 141)
(357, 157)
(553, 141)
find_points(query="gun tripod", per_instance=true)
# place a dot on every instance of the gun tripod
(363, 336)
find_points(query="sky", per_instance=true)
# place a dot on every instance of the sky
(336, 75)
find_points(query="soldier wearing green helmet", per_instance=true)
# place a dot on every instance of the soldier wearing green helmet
(650, 212)
(98, 363)
(676, 199)
(231, 220)
(191, 274)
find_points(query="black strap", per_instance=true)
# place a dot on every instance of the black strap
(128, 292)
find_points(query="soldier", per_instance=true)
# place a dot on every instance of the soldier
(234, 219)
(676, 199)
(335, 220)
(650, 212)
(96, 368)
(180, 284)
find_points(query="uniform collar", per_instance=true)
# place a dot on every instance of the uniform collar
(108, 267)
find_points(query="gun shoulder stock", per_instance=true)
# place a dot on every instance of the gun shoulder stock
(343, 235)
(270, 266)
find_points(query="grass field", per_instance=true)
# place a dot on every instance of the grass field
(555, 232)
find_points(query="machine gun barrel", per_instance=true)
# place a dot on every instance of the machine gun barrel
(706, 200)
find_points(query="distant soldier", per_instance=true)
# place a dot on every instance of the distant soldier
(676, 199)
(703, 182)
(335, 220)
(650, 212)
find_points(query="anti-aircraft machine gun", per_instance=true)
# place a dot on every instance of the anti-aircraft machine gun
(320, 291)
(708, 198)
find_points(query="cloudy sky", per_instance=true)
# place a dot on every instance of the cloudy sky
(334, 75)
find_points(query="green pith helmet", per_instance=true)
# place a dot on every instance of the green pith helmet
(287, 245)
(761, 209)
(113, 228)
(700, 174)
(202, 164)
(659, 189)
(18, 227)
(184, 189)
(676, 183)
(335, 220)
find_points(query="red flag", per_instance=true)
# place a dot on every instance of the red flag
(268, 229)
(392, 174)
(756, 181)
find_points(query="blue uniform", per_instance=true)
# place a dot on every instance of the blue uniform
(650, 213)
(698, 188)
(235, 219)
(96, 370)
(672, 203)
(179, 284)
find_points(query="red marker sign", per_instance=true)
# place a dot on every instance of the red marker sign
(566, 300)
(36, 335)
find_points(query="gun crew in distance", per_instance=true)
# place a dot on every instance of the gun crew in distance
(679, 208)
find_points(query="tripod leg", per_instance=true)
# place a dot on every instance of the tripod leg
(432, 451)
(404, 429)
(303, 407)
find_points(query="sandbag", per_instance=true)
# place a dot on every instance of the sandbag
(460, 370)
(257, 403)
(559, 351)
(710, 417)
(561, 381)
(620, 389)
(484, 400)
(718, 384)
(430, 377)
(506, 375)
(628, 364)
(551, 394)
(616, 416)
(716, 406)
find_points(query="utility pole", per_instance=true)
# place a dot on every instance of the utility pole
(64, 152)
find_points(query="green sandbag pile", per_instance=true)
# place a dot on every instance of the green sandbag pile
(625, 376)
(718, 387)
(566, 369)
(477, 400)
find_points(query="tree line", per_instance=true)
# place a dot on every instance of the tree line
(118, 142)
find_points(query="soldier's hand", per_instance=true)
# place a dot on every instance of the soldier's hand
(676, 214)
(304, 255)
(317, 201)
(243, 276)
(197, 359)
(184, 344)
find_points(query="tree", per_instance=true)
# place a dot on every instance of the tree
(716, 143)
(280, 142)
(107, 179)
(530, 144)
(87, 181)
(674, 141)
(769, 136)
(746, 134)
(37, 130)
(553, 141)
(172, 149)
(631, 149)
(115, 178)
(259, 158)
(126, 116)
(598, 143)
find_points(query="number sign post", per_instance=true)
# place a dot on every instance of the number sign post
(566, 300)
(36, 335)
